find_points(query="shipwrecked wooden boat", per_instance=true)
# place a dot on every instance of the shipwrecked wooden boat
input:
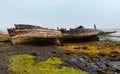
(79, 34)
(28, 33)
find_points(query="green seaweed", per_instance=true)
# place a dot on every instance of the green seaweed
(25, 64)
(1, 43)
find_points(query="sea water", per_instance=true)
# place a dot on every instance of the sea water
(112, 36)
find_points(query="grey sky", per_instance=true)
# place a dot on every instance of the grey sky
(62, 13)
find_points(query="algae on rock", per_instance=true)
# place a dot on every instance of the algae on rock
(25, 64)
(98, 48)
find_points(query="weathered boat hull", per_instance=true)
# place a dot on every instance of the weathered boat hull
(28, 40)
(35, 34)
(80, 37)
(26, 34)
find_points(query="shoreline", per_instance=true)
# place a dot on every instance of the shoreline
(81, 57)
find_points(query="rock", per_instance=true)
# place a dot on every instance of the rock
(93, 65)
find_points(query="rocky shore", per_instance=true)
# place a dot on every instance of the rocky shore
(94, 65)
(97, 57)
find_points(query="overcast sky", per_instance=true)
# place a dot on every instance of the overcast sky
(62, 13)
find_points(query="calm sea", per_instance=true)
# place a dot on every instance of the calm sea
(113, 36)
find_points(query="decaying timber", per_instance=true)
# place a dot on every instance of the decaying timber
(79, 34)
(28, 33)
